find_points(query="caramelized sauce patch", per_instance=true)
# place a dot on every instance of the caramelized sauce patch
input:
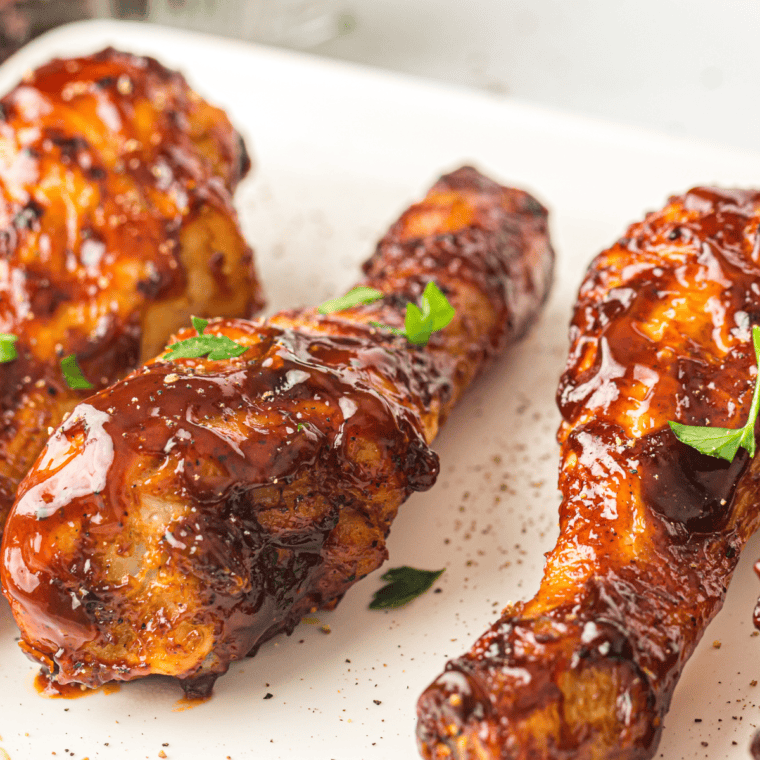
(685, 486)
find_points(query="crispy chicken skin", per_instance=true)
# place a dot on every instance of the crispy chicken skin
(116, 224)
(190, 512)
(650, 529)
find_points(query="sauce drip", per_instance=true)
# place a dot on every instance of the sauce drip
(189, 702)
(51, 689)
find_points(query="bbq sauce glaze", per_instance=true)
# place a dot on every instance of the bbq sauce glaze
(185, 515)
(291, 417)
(650, 530)
(105, 160)
(115, 218)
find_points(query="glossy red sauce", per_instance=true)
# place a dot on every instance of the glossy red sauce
(302, 369)
(682, 485)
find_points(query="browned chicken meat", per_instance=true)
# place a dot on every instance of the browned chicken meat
(650, 529)
(190, 512)
(115, 225)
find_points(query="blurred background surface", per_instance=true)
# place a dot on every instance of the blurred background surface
(687, 68)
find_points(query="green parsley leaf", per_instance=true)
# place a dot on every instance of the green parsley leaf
(199, 324)
(358, 295)
(217, 347)
(8, 347)
(73, 374)
(724, 443)
(434, 313)
(404, 584)
(441, 311)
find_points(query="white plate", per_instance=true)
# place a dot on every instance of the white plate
(339, 152)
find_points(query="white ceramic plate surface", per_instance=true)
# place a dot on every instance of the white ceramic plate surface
(339, 151)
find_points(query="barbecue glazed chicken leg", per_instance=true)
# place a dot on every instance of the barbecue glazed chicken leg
(116, 224)
(650, 529)
(190, 512)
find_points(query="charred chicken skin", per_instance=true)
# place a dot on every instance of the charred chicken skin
(192, 511)
(115, 225)
(650, 529)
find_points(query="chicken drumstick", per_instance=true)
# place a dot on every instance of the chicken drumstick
(190, 512)
(650, 529)
(116, 224)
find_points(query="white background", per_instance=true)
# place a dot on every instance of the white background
(685, 67)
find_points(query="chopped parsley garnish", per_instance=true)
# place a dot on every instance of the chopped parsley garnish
(8, 347)
(404, 584)
(434, 313)
(216, 347)
(73, 374)
(724, 443)
(199, 324)
(359, 295)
